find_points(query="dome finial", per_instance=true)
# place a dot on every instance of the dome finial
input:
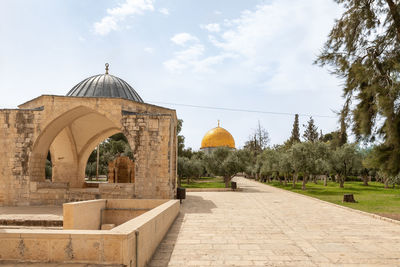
(107, 67)
(218, 123)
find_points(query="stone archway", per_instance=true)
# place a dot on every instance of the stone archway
(71, 137)
(71, 127)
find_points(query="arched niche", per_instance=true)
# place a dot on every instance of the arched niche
(114, 152)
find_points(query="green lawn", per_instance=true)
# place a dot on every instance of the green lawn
(373, 198)
(204, 182)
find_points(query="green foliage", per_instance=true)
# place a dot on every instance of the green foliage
(190, 168)
(345, 160)
(205, 182)
(115, 145)
(224, 162)
(295, 136)
(363, 48)
(373, 198)
(181, 138)
(311, 132)
(48, 169)
(270, 162)
(90, 169)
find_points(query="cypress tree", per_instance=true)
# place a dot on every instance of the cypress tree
(295, 137)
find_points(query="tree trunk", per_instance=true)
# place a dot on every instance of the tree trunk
(294, 180)
(179, 181)
(395, 15)
(279, 179)
(315, 179)
(326, 180)
(227, 180)
(303, 186)
(348, 198)
(341, 181)
(285, 179)
(386, 182)
(365, 180)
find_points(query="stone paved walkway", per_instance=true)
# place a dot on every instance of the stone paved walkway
(265, 226)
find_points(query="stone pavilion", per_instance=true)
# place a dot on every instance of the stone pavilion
(69, 128)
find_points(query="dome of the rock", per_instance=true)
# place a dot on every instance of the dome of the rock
(105, 85)
(217, 137)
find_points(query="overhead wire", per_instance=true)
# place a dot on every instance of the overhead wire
(244, 110)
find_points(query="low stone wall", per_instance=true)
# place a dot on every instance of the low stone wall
(116, 246)
(49, 193)
(150, 229)
(83, 215)
(117, 190)
(119, 211)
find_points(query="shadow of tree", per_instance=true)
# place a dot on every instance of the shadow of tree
(197, 204)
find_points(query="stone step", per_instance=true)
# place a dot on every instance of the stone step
(24, 222)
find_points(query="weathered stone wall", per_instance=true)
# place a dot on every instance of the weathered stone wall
(151, 138)
(17, 134)
(70, 127)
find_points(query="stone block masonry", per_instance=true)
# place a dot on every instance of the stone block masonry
(69, 128)
(131, 243)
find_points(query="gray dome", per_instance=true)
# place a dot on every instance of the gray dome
(105, 85)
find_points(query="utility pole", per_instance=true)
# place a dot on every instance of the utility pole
(97, 162)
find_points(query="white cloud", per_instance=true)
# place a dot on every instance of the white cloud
(183, 38)
(183, 59)
(164, 11)
(212, 27)
(281, 52)
(116, 15)
(265, 50)
(192, 58)
(149, 50)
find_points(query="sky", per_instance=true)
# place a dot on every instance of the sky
(247, 55)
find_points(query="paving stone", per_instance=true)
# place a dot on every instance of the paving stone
(265, 226)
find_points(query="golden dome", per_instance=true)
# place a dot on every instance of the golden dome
(218, 137)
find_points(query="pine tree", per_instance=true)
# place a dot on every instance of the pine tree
(363, 48)
(295, 137)
(311, 132)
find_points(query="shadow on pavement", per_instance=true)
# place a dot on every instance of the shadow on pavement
(251, 189)
(192, 204)
(164, 250)
(197, 204)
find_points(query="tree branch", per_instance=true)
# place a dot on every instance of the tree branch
(395, 15)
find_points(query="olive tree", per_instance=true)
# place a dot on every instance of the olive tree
(285, 165)
(301, 154)
(345, 160)
(224, 162)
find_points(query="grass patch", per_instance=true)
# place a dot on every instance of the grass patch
(373, 198)
(204, 182)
